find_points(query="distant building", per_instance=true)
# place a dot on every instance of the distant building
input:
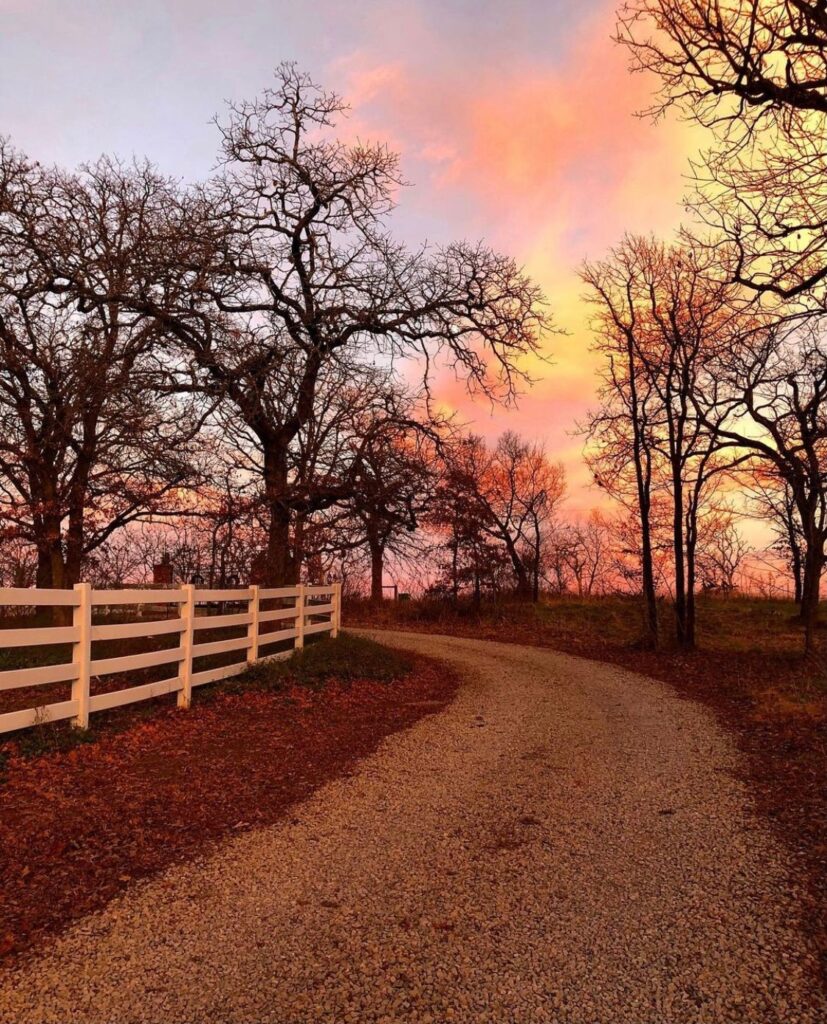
(163, 573)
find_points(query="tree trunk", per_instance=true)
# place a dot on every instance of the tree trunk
(75, 532)
(517, 564)
(280, 569)
(795, 558)
(798, 585)
(61, 616)
(377, 566)
(73, 565)
(650, 600)
(523, 586)
(43, 579)
(679, 555)
(643, 474)
(689, 631)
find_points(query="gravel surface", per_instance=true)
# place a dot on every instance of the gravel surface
(565, 843)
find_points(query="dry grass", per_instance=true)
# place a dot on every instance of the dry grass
(737, 634)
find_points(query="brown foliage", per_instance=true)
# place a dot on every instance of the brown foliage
(77, 827)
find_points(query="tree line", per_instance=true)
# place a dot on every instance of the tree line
(714, 365)
(222, 373)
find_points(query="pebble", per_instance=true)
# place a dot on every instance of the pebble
(520, 871)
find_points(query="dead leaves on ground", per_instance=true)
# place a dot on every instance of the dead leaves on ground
(77, 827)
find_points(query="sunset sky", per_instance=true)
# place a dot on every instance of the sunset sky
(515, 123)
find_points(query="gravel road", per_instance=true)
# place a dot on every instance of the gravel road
(564, 843)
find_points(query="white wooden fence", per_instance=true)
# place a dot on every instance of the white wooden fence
(301, 619)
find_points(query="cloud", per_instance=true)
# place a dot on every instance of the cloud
(546, 160)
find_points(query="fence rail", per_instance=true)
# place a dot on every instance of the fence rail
(307, 614)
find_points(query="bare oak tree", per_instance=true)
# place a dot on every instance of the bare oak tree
(283, 263)
(294, 267)
(755, 72)
(89, 439)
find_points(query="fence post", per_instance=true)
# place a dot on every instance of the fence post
(300, 614)
(336, 617)
(82, 653)
(252, 630)
(185, 664)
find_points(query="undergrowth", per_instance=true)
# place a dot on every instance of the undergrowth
(346, 659)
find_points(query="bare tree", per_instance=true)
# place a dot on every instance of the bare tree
(367, 462)
(89, 440)
(292, 267)
(745, 61)
(283, 263)
(508, 496)
(721, 551)
(455, 514)
(394, 489)
(523, 494)
(776, 505)
(770, 395)
(585, 549)
(663, 312)
(754, 72)
(18, 562)
(355, 404)
(620, 433)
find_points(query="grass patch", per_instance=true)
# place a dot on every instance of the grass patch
(345, 659)
(52, 738)
(735, 624)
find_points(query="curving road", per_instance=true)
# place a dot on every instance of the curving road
(564, 843)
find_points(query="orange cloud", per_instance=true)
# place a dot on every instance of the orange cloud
(547, 162)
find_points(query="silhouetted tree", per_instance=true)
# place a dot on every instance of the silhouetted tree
(663, 313)
(90, 439)
(292, 267)
(398, 470)
(507, 497)
(770, 395)
(721, 550)
(754, 72)
(776, 505)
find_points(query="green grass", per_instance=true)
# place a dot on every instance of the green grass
(345, 659)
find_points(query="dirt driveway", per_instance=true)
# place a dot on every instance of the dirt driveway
(565, 843)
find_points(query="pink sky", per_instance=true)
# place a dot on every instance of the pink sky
(544, 160)
(515, 123)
